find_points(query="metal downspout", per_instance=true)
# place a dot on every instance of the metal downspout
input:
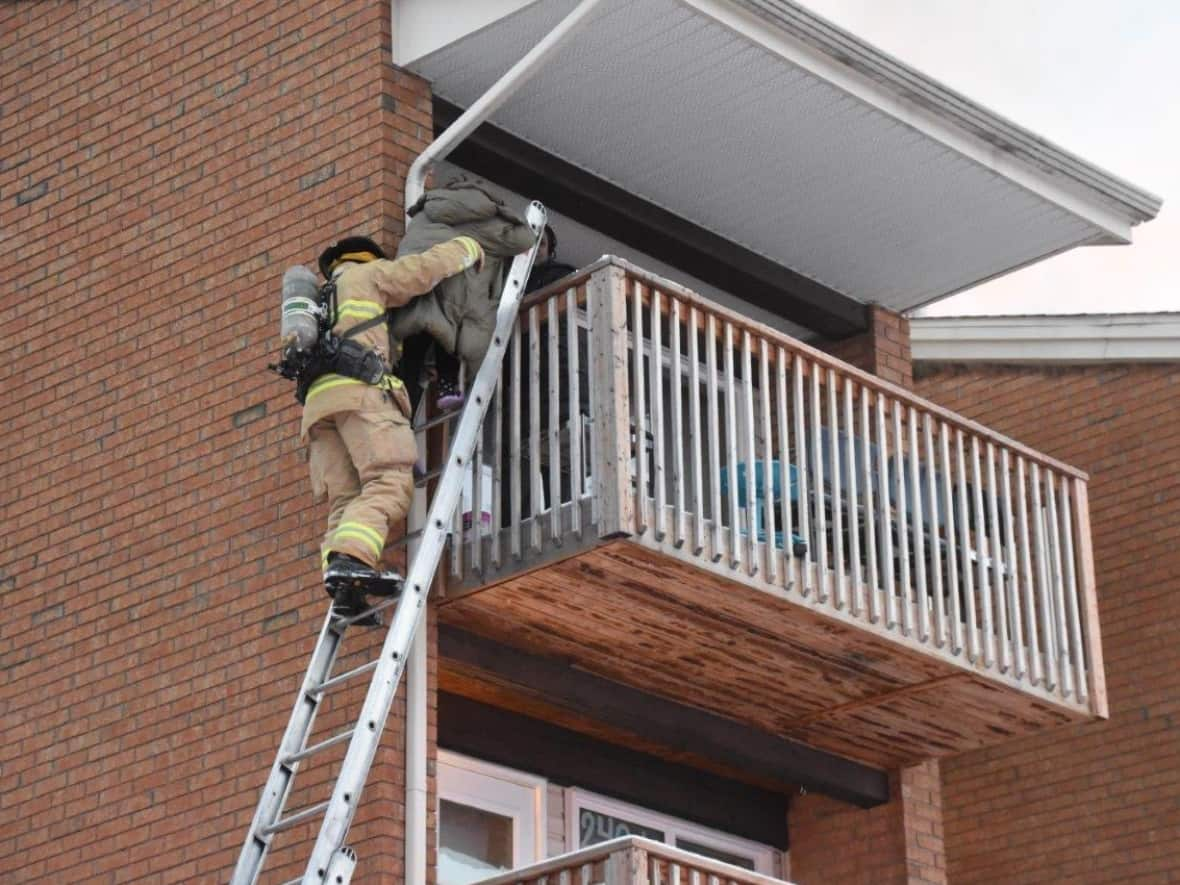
(439, 149)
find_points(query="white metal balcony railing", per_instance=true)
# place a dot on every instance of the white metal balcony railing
(783, 466)
(630, 860)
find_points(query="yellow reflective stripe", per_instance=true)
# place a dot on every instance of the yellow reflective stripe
(324, 554)
(361, 307)
(349, 534)
(472, 248)
(328, 382)
(375, 535)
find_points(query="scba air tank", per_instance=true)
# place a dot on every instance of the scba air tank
(300, 327)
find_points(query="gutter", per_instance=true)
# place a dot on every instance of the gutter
(416, 669)
(1047, 340)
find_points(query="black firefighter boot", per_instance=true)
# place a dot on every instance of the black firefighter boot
(347, 580)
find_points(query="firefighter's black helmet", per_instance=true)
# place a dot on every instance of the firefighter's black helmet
(348, 249)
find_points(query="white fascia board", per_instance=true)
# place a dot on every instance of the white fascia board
(1090, 338)
(422, 26)
(929, 117)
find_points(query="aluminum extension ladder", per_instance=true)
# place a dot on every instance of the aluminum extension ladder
(331, 860)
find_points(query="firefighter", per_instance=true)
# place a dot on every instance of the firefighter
(360, 444)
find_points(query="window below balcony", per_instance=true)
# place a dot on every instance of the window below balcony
(490, 819)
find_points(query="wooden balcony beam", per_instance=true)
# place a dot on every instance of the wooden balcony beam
(679, 728)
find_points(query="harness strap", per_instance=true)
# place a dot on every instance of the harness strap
(365, 326)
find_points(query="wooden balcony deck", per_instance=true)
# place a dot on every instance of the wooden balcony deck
(915, 585)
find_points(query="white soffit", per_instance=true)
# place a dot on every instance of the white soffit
(727, 117)
(1087, 338)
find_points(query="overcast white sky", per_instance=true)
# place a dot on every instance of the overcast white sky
(1100, 79)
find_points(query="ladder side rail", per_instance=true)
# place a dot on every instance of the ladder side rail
(274, 794)
(362, 747)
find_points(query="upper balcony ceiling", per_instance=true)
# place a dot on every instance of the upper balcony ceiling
(768, 126)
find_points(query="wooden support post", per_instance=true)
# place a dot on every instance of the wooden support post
(1087, 590)
(606, 294)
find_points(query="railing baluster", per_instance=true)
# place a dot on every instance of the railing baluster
(496, 554)
(870, 511)
(735, 544)
(750, 457)
(768, 477)
(1064, 668)
(1036, 666)
(965, 552)
(982, 554)
(850, 471)
(903, 535)
(933, 479)
(694, 406)
(656, 379)
(536, 484)
(1013, 585)
(818, 487)
(676, 382)
(554, 422)
(477, 504)
(515, 467)
(921, 591)
(574, 380)
(1048, 645)
(790, 563)
(952, 556)
(714, 434)
(1071, 589)
(996, 551)
(838, 564)
(640, 409)
(593, 410)
(885, 513)
(801, 456)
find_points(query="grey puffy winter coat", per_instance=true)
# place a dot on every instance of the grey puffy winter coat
(460, 313)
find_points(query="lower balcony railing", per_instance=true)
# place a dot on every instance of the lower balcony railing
(631, 860)
(631, 407)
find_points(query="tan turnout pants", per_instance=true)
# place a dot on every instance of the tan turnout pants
(362, 460)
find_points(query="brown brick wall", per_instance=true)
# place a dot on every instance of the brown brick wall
(160, 165)
(1094, 803)
(883, 349)
(898, 843)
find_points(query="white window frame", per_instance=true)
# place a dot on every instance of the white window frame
(490, 787)
(577, 799)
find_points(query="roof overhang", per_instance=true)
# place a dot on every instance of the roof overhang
(767, 127)
(1088, 338)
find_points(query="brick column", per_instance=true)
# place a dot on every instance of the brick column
(898, 843)
(163, 164)
(884, 349)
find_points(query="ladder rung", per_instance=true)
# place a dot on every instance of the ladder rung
(315, 748)
(343, 677)
(440, 418)
(296, 818)
(406, 538)
(426, 477)
(379, 607)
